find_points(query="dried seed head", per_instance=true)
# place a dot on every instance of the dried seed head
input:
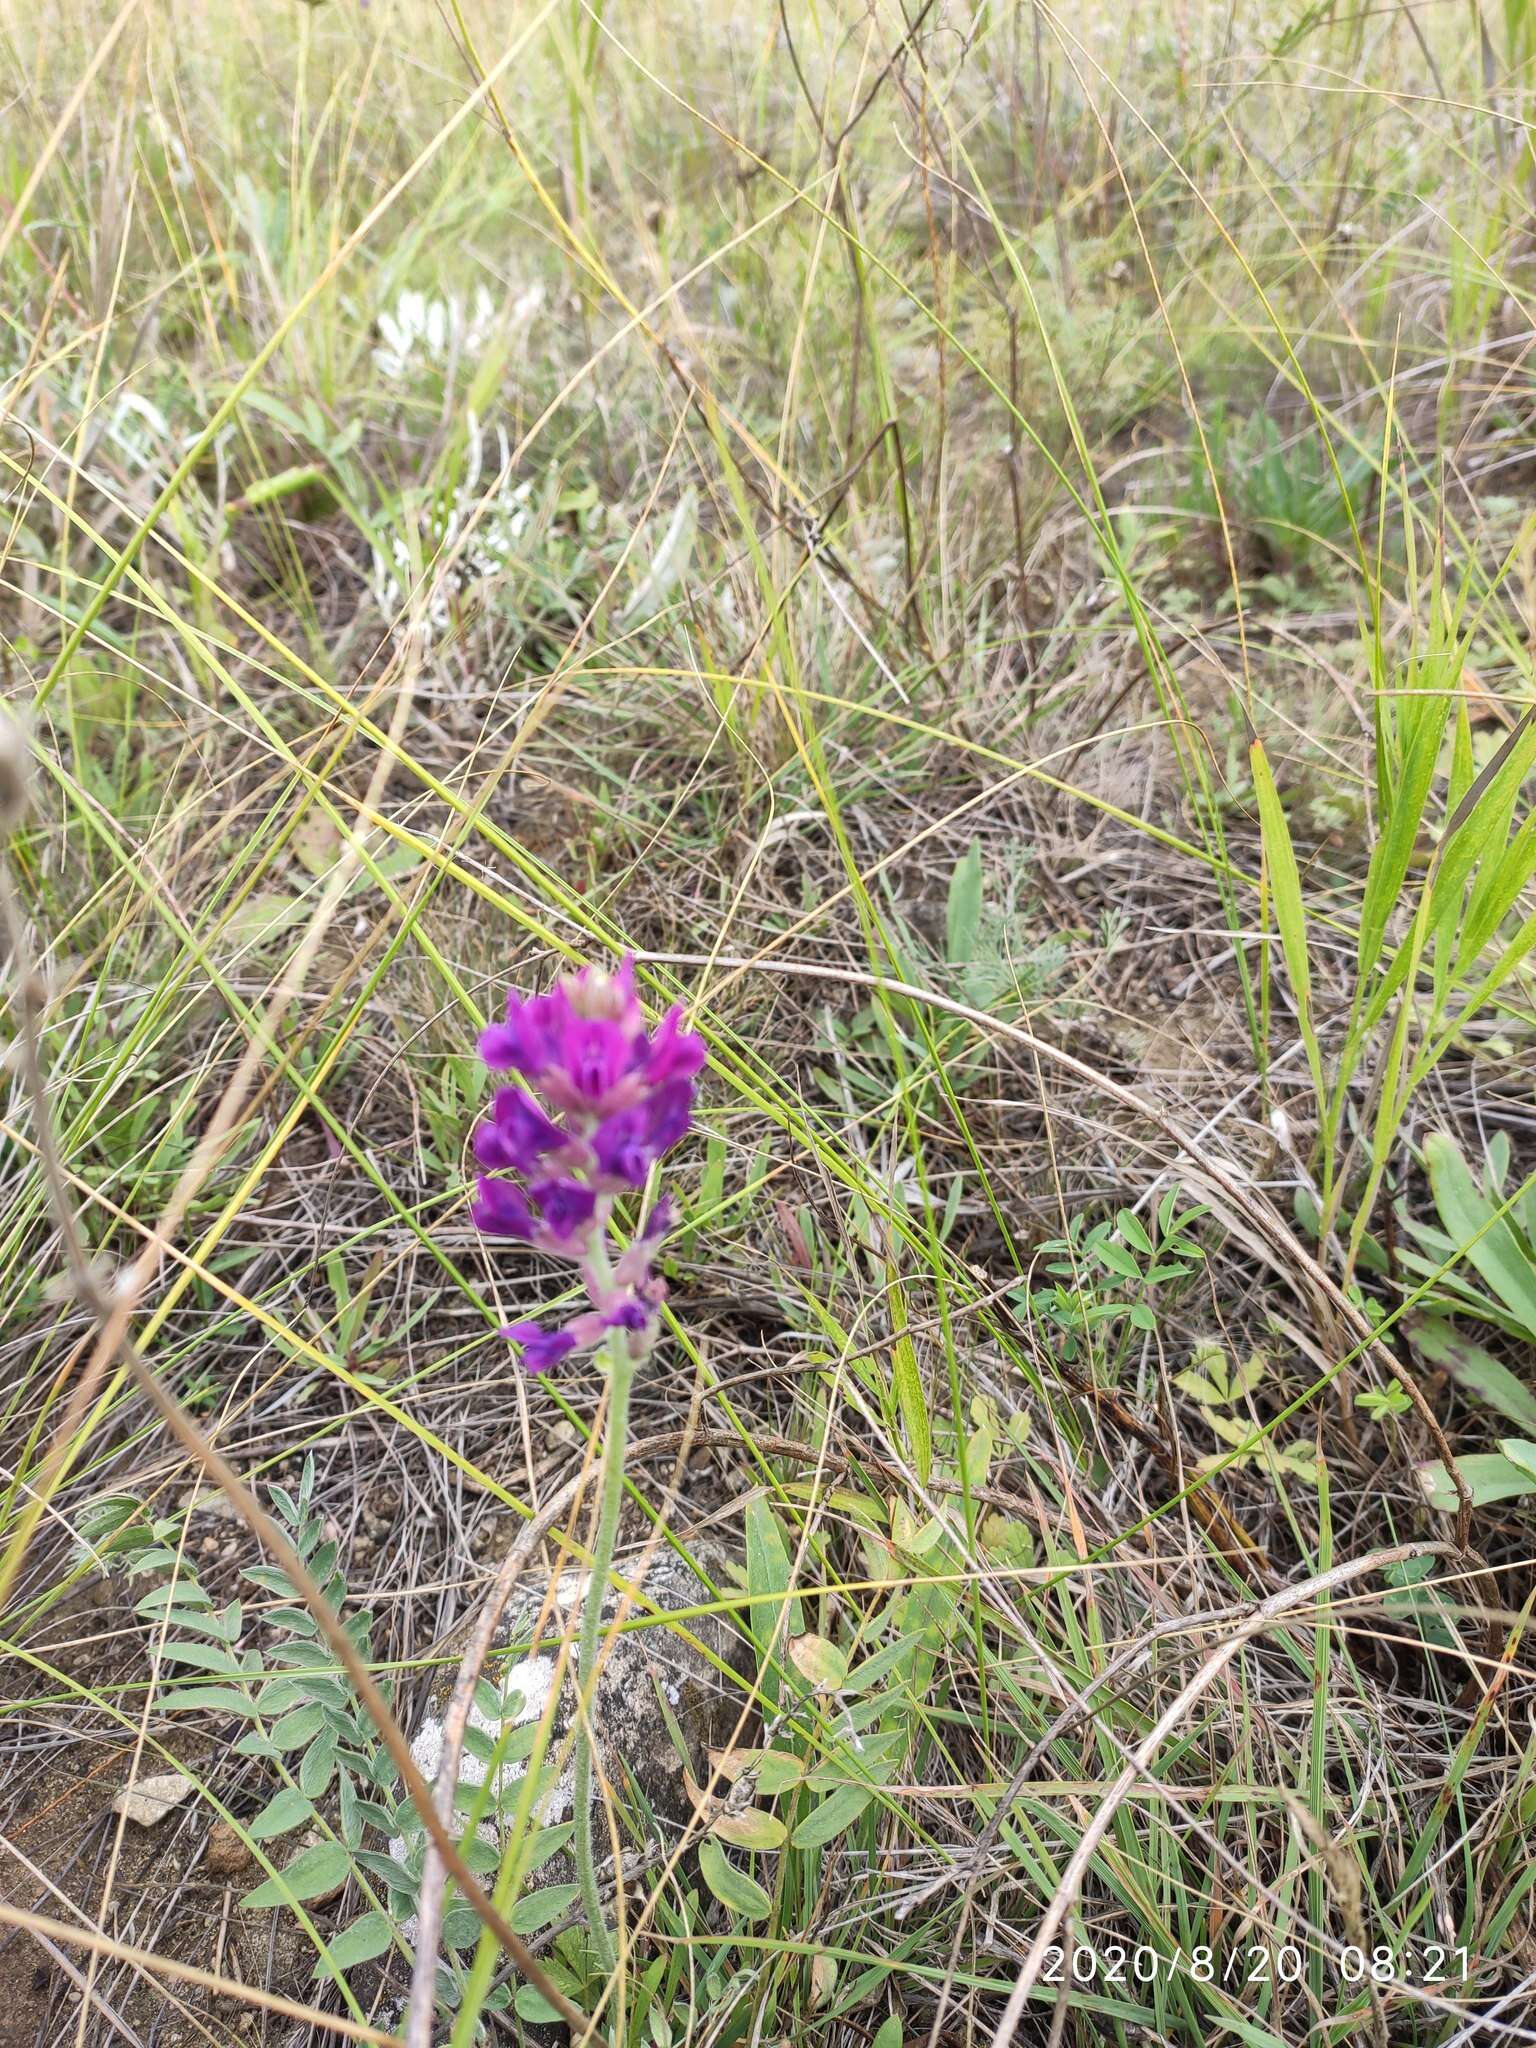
(15, 771)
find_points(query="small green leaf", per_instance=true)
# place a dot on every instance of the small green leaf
(737, 1892)
(1118, 1260)
(1133, 1230)
(776, 1770)
(314, 1873)
(540, 1909)
(203, 1657)
(823, 1663)
(752, 1828)
(297, 1728)
(535, 2008)
(207, 1699)
(285, 1810)
(838, 1811)
(318, 1763)
(359, 1943)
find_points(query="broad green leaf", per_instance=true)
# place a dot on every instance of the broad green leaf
(1488, 1475)
(359, 1943)
(752, 1828)
(837, 1812)
(1475, 1370)
(737, 1892)
(314, 1873)
(1475, 1228)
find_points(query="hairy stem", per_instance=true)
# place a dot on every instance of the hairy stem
(621, 1372)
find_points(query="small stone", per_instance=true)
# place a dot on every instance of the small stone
(210, 1501)
(148, 1800)
(226, 1855)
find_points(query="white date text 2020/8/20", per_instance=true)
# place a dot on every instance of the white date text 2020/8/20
(1256, 1963)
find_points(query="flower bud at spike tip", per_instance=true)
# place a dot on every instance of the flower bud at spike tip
(597, 1101)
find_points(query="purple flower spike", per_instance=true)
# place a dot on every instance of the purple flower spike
(605, 1099)
(674, 1051)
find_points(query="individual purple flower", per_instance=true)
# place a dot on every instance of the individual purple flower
(628, 1144)
(519, 1134)
(602, 1100)
(541, 1348)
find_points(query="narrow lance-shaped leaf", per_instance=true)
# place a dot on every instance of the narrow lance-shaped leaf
(963, 912)
(1290, 910)
(1413, 729)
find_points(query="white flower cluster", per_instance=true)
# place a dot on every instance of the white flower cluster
(442, 546)
(430, 332)
(440, 550)
(422, 330)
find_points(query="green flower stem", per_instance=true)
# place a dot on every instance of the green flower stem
(621, 1373)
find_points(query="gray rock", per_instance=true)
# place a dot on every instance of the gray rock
(655, 1686)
